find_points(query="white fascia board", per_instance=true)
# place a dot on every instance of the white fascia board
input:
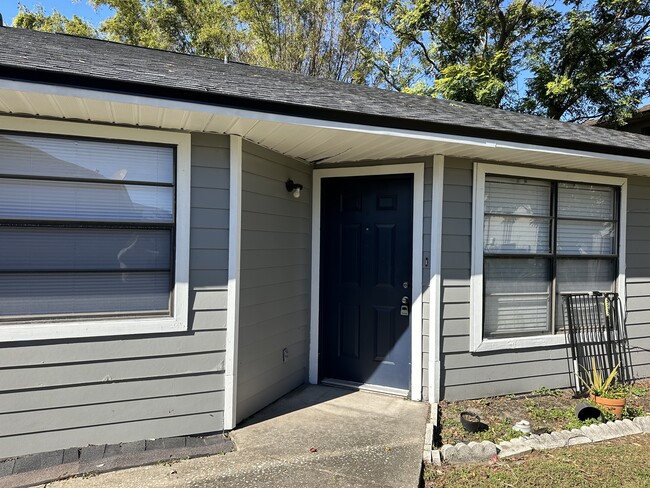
(305, 121)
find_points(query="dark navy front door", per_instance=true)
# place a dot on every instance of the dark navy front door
(366, 260)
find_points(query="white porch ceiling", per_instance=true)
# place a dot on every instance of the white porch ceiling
(310, 140)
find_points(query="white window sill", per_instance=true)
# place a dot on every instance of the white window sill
(487, 345)
(87, 328)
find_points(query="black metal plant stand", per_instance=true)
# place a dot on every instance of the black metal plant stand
(596, 329)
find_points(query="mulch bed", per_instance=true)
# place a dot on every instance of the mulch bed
(546, 410)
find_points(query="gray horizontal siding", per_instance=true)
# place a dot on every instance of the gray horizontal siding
(61, 394)
(638, 274)
(466, 375)
(274, 279)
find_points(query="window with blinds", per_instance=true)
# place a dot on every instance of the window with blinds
(86, 228)
(542, 239)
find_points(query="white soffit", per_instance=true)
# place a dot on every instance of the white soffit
(310, 140)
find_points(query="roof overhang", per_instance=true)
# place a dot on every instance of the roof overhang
(314, 140)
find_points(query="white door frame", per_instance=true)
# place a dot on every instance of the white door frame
(417, 170)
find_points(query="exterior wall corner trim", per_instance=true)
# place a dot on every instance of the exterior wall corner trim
(234, 257)
(435, 281)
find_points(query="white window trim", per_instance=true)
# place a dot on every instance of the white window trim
(417, 169)
(477, 342)
(119, 326)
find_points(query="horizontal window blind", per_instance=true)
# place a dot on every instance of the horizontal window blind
(517, 196)
(55, 248)
(60, 200)
(586, 201)
(86, 228)
(516, 296)
(29, 294)
(542, 239)
(56, 157)
(585, 275)
(584, 237)
(520, 235)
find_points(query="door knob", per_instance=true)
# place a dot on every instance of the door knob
(405, 300)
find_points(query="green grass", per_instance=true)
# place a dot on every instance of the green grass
(618, 463)
(499, 432)
(546, 391)
(549, 414)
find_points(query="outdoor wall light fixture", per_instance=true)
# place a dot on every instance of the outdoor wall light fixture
(294, 188)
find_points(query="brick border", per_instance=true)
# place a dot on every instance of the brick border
(45, 467)
(474, 452)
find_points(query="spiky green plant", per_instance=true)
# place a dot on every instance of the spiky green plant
(598, 385)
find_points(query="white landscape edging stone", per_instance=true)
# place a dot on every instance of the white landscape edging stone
(474, 452)
(429, 455)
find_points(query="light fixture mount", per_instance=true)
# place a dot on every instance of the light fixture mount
(294, 188)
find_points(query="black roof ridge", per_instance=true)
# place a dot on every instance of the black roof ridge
(119, 43)
(98, 39)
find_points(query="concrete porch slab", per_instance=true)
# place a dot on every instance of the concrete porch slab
(359, 439)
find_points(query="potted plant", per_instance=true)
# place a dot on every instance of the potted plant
(606, 392)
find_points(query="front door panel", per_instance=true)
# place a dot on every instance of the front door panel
(366, 259)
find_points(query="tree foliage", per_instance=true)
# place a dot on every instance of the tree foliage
(467, 50)
(573, 60)
(202, 27)
(593, 62)
(38, 19)
(313, 37)
(563, 59)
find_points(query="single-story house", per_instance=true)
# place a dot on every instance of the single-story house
(185, 240)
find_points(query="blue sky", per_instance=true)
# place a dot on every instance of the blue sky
(9, 9)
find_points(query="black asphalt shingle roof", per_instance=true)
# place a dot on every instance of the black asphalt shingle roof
(74, 61)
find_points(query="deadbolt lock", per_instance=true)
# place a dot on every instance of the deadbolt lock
(404, 309)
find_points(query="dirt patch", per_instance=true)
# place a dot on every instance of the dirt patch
(546, 410)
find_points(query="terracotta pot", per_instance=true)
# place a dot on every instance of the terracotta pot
(614, 406)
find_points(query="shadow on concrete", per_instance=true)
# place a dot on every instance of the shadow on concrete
(305, 396)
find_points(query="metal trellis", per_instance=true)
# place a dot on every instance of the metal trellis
(596, 329)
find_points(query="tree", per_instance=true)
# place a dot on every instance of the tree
(313, 37)
(466, 50)
(572, 61)
(593, 63)
(55, 22)
(202, 27)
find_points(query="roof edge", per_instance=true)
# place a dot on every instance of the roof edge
(302, 111)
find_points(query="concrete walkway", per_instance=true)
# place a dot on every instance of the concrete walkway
(360, 439)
